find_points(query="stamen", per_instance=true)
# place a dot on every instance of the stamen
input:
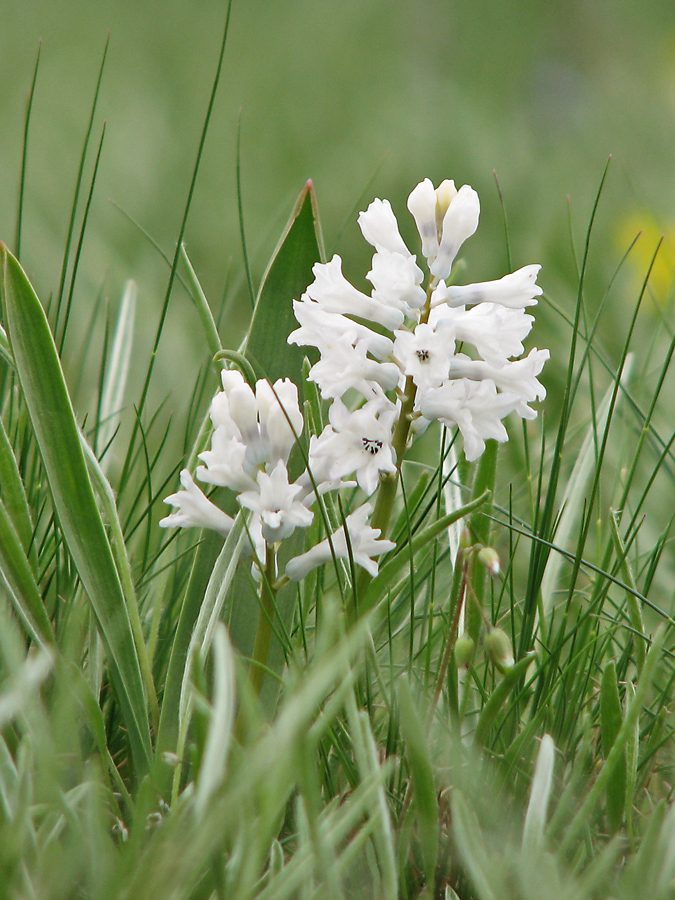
(373, 447)
(422, 355)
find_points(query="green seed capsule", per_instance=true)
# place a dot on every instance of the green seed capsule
(498, 648)
(464, 648)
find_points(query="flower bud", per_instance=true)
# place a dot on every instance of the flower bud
(489, 557)
(445, 194)
(498, 648)
(464, 647)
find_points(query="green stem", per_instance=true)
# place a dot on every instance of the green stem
(265, 629)
(386, 494)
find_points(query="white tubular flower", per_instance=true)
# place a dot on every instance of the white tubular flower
(363, 541)
(321, 329)
(319, 467)
(226, 463)
(194, 509)
(495, 331)
(379, 227)
(359, 441)
(281, 420)
(516, 290)
(476, 407)
(276, 504)
(424, 354)
(346, 366)
(331, 290)
(445, 218)
(517, 377)
(396, 282)
(244, 411)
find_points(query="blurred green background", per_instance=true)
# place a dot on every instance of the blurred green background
(366, 98)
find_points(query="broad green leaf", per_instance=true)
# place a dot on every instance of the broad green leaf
(202, 566)
(202, 633)
(18, 574)
(422, 773)
(611, 719)
(51, 413)
(286, 279)
(117, 372)
(13, 495)
(214, 760)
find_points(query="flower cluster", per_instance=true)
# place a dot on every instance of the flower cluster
(449, 349)
(413, 350)
(254, 433)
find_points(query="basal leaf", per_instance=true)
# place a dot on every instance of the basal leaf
(53, 420)
(285, 280)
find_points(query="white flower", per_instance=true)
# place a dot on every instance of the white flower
(276, 503)
(495, 331)
(476, 407)
(518, 377)
(194, 509)
(362, 541)
(251, 430)
(424, 354)
(445, 218)
(318, 473)
(346, 366)
(322, 329)
(379, 227)
(396, 282)
(359, 441)
(331, 290)
(516, 290)
(226, 463)
(281, 420)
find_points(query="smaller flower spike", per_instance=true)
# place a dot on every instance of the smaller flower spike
(194, 509)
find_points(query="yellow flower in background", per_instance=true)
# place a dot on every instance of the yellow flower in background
(650, 233)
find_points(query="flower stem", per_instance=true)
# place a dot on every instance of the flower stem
(389, 483)
(265, 629)
(386, 494)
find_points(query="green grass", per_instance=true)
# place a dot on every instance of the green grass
(136, 759)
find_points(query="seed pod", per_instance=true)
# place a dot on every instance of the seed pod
(498, 648)
(464, 648)
(489, 557)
